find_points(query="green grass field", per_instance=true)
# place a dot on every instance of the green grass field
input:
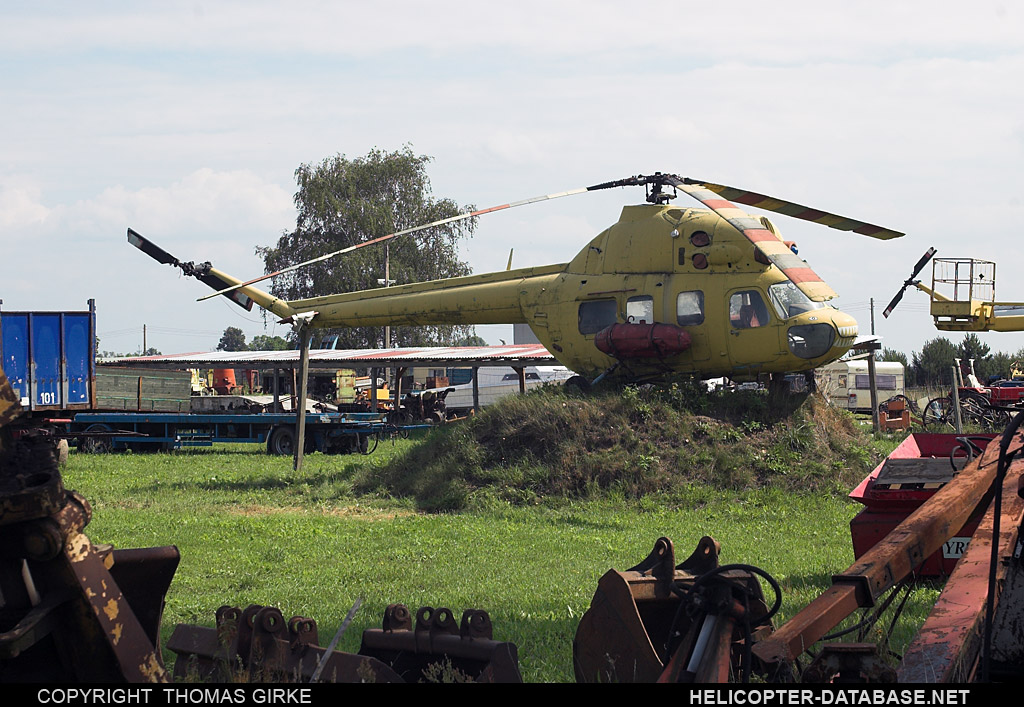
(252, 531)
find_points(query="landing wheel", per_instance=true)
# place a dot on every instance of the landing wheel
(778, 385)
(577, 386)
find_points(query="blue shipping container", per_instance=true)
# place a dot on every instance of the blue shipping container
(48, 357)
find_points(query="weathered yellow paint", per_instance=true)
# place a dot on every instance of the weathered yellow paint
(971, 314)
(152, 670)
(111, 609)
(649, 253)
(78, 547)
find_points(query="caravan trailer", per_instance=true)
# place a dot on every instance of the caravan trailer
(846, 385)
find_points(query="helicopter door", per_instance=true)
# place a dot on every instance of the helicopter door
(753, 336)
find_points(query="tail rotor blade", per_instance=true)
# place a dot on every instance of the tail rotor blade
(203, 272)
(151, 249)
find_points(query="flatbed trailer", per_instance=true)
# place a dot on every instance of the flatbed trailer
(325, 432)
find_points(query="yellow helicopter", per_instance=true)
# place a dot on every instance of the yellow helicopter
(962, 295)
(709, 291)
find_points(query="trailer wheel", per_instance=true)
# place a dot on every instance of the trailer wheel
(95, 445)
(282, 441)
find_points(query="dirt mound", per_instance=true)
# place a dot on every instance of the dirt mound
(631, 441)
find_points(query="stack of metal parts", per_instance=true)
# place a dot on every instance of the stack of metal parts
(695, 622)
(258, 645)
(69, 610)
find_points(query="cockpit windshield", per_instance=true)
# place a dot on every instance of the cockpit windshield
(789, 301)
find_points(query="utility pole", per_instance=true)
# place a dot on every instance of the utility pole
(872, 316)
(387, 282)
(144, 348)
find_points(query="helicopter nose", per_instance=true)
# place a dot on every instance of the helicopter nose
(832, 334)
(846, 328)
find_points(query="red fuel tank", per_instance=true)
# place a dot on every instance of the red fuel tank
(629, 341)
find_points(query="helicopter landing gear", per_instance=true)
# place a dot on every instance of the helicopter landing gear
(577, 386)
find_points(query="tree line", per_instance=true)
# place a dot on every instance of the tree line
(933, 365)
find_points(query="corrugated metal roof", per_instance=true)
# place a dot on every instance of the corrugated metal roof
(527, 354)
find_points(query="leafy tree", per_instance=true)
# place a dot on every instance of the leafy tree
(342, 202)
(934, 366)
(473, 340)
(997, 364)
(894, 356)
(972, 347)
(232, 340)
(264, 342)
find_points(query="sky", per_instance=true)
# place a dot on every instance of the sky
(186, 121)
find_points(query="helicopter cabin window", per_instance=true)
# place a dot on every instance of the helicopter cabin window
(747, 310)
(690, 308)
(789, 301)
(640, 310)
(597, 314)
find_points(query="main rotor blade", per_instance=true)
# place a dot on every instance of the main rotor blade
(778, 253)
(381, 239)
(789, 208)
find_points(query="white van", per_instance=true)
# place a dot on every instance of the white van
(496, 382)
(845, 383)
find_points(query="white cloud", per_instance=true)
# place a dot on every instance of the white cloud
(20, 208)
(186, 121)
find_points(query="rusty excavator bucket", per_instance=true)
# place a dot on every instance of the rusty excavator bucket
(662, 622)
(71, 611)
(258, 645)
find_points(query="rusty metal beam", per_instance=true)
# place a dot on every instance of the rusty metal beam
(947, 647)
(888, 562)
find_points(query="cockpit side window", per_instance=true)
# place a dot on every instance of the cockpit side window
(789, 301)
(595, 315)
(690, 308)
(640, 310)
(747, 310)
